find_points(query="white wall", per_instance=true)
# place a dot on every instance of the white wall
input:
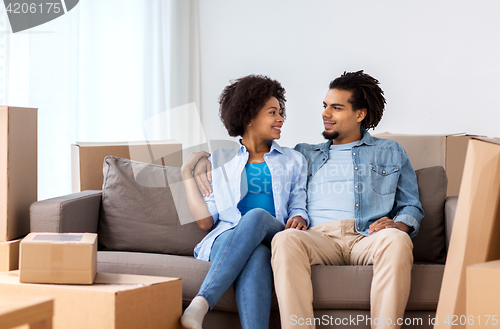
(438, 61)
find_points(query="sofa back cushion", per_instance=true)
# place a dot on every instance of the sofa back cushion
(430, 244)
(144, 209)
(139, 212)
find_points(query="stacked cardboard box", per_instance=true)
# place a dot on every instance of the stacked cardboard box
(59, 258)
(18, 179)
(32, 312)
(447, 151)
(87, 159)
(114, 301)
(475, 237)
(483, 289)
(9, 255)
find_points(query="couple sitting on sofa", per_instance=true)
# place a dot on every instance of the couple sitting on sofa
(360, 193)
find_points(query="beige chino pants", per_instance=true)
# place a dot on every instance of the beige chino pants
(338, 243)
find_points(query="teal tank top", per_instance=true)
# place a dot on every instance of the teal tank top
(260, 194)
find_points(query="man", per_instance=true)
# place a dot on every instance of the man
(363, 207)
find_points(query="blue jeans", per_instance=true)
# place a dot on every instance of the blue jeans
(242, 255)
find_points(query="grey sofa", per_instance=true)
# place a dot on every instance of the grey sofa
(138, 217)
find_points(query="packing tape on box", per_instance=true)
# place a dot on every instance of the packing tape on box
(57, 262)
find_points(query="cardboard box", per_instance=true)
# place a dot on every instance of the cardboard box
(475, 237)
(9, 255)
(18, 170)
(447, 151)
(87, 159)
(58, 258)
(36, 312)
(483, 291)
(114, 301)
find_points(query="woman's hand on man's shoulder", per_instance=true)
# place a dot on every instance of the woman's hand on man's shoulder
(203, 176)
(192, 160)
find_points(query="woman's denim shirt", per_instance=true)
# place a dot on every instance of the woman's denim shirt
(385, 183)
(229, 185)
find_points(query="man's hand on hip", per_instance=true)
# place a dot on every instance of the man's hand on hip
(386, 222)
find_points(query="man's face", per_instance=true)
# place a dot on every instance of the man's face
(342, 124)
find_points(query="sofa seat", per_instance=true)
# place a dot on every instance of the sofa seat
(335, 287)
(145, 227)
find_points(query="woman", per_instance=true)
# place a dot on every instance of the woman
(257, 190)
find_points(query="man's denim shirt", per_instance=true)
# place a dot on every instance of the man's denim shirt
(385, 183)
(229, 186)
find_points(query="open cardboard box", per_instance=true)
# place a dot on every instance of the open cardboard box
(114, 301)
(87, 159)
(476, 228)
(447, 151)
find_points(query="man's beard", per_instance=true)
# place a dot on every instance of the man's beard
(330, 136)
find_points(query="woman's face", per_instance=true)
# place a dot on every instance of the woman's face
(268, 122)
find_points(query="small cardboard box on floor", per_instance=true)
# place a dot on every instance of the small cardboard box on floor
(483, 291)
(9, 255)
(114, 301)
(447, 151)
(58, 258)
(87, 159)
(476, 228)
(18, 170)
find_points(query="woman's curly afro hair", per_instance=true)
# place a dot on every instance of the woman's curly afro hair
(241, 101)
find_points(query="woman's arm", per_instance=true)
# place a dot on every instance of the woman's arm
(297, 209)
(196, 204)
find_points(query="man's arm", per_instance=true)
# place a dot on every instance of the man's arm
(386, 222)
(407, 212)
(297, 204)
(407, 208)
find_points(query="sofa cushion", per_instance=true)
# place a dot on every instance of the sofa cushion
(335, 287)
(191, 270)
(348, 287)
(430, 243)
(139, 212)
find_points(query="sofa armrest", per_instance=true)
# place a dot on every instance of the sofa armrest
(450, 207)
(77, 212)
